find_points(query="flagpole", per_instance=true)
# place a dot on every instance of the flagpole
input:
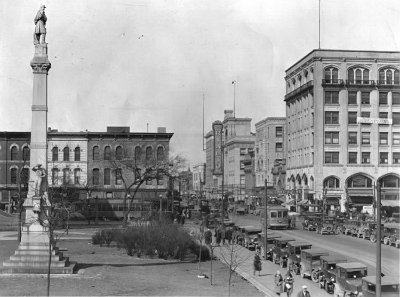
(319, 24)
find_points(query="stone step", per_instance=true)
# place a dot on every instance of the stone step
(41, 263)
(39, 270)
(36, 252)
(30, 258)
(34, 246)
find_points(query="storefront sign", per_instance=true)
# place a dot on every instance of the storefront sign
(217, 154)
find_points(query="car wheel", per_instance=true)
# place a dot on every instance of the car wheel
(314, 276)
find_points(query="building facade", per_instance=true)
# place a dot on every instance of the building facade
(237, 140)
(89, 162)
(269, 148)
(199, 172)
(343, 128)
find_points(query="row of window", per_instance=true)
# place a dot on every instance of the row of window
(66, 156)
(25, 153)
(332, 98)
(361, 75)
(332, 117)
(66, 176)
(332, 137)
(361, 181)
(118, 178)
(333, 158)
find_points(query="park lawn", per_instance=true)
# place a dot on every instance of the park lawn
(109, 271)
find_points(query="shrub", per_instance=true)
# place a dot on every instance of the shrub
(107, 236)
(96, 238)
(205, 252)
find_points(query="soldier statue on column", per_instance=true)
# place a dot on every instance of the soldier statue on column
(39, 36)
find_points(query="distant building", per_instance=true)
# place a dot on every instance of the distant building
(269, 150)
(237, 140)
(199, 178)
(343, 128)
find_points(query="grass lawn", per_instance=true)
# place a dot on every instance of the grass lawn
(110, 271)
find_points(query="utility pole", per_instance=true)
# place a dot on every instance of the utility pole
(378, 240)
(265, 217)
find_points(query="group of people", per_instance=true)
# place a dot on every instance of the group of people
(283, 284)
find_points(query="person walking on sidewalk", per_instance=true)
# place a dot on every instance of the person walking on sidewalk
(304, 292)
(278, 283)
(257, 264)
(289, 283)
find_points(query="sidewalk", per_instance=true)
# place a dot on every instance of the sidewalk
(265, 282)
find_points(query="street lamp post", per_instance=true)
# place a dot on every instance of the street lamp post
(265, 217)
(378, 240)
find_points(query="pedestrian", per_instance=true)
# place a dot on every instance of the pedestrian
(257, 264)
(289, 283)
(304, 292)
(289, 222)
(278, 283)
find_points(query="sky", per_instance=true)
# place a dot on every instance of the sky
(148, 64)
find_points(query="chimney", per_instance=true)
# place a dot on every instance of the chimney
(161, 130)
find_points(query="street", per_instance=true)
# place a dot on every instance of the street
(355, 249)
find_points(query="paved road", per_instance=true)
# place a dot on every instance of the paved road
(355, 249)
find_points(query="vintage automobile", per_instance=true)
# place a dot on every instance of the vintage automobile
(326, 227)
(389, 286)
(310, 222)
(279, 251)
(238, 234)
(327, 276)
(250, 237)
(271, 236)
(349, 278)
(294, 252)
(390, 234)
(366, 230)
(351, 226)
(310, 262)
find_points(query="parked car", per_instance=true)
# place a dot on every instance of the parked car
(294, 252)
(327, 278)
(271, 236)
(250, 237)
(351, 226)
(349, 278)
(389, 286)
(390, 234)
(279, 252)
(310, 262)
(240, 211)
(326, 227)
(310, 223)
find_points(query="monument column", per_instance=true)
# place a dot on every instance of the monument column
(33, 253)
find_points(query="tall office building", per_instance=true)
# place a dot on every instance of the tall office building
(343, 128)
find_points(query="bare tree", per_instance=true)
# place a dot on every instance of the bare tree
(132, 174)
(233, 256)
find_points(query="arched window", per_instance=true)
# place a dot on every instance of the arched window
(54, 176)
(160, 153)
(138, 153)
(77, 176)
(13, 178)
(118, 176)
(96, 176)
(107, 176)
(66, 153)
(118, 153)
(358, 75)
(359, 181)
(96, 153)
(24, 175)
(66, 176)
(331, 182)
(331, 75)
(14, 153)
(25, 153)
(149, 153)
(390, 181)
(77, 153)
(388, 76)
(107, 153)
(54, 153)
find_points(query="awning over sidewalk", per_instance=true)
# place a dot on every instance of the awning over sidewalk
(390, 203)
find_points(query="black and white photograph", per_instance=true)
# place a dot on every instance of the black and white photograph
(200, 148)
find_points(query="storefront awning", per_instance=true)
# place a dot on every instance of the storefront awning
(361, 200)
(390, 203)
(332, 201)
